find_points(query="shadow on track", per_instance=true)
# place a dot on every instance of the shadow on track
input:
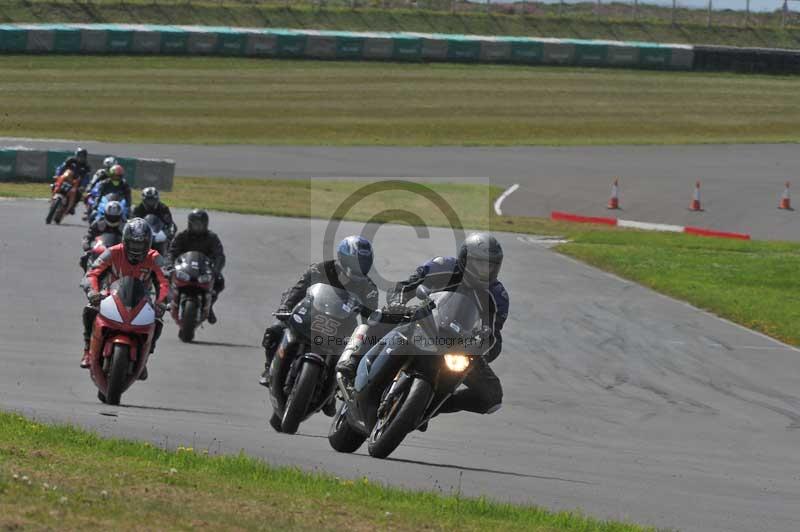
(223, 344)
(181, 410)
(486, 470)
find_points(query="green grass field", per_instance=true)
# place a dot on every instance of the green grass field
(217, 101)
(59, 477)
(752, 283)
(576, 21)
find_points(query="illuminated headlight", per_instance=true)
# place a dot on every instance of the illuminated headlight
(456, 362)
(206, 278)
(182, 275)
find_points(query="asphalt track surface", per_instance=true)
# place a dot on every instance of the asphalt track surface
(618, 401)
(741, 184)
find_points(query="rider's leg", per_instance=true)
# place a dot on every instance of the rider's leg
(483, 393)
(89, 314)
(219, 286)
(272, 337)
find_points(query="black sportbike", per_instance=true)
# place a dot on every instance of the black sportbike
(403, 381)
(302, 373)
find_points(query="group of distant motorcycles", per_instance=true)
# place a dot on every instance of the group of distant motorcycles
(394, 393)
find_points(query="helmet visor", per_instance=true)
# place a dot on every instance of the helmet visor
(197, 226)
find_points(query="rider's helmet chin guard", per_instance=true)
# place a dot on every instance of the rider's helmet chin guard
(354, 257)
(480, 258)
(136, 240)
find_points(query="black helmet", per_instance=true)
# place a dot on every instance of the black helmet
(150, 197)
(136, 239)
(354, 257)
(480, 258)
(198, 221)
(113, 214)
(81, 154)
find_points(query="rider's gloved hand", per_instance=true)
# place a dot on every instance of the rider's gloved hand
(94, 297)
(282, 313)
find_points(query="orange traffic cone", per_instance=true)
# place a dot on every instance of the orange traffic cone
(613, 201)
(695, 204)
(786, 199)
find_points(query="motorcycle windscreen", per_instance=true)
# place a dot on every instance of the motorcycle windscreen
(331, 301)
(456, 313)
(193, 263)
(130, 291)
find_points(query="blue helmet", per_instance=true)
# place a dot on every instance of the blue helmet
(354, 257)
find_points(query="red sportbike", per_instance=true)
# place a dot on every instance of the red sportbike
(121, 337)
(65, 192)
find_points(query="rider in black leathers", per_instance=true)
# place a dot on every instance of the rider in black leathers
(476, 267)
(348, 271)
(115, 184)
(197, 237)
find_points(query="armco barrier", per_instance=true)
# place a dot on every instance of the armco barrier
(406, 46)
(288, 43)
(40, 165)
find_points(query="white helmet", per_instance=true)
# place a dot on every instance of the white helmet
(108, 162)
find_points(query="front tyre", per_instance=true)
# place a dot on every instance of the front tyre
(120, 359)
(54, 204)
(399, 420)
(342, 436)
(188, 320)
(300, 397)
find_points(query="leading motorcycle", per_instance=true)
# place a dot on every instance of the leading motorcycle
(65, 190)
(404, 380)
(302, 372)
(121, 338)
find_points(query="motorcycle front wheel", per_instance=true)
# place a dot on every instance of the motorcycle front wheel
(119, 371)
(188, 320)
(54, 204)
(399, 419)
(300, 397)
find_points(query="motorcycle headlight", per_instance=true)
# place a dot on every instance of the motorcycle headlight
(182, 275)
(456, 362)
(205, 278)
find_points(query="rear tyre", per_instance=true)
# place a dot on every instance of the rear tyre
(390, 430)
(342, 436)
(300, 397)
(120, 360)
(188, 320)
(53, 206)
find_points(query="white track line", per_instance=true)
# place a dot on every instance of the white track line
(510, 190)
(650, 226)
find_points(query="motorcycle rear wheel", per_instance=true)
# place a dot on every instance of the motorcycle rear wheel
(53, 206)
(300, 397)
(389, 432)
(342, 436)
(120, 360)
(188, 320)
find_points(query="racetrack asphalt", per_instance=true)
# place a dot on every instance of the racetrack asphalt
(618, 401)
(741, 184)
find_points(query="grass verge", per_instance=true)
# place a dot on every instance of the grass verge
(571, 20)
(251, 101)
(752, 283)
(65, 478)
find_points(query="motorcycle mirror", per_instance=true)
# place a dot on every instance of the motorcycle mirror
(374, 318)
(423, 293)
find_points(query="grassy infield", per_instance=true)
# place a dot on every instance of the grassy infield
(753, 283)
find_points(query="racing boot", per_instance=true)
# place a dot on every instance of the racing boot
(85, 360)
(212, 318)
(263, 380)
(329, 408)
(143, 374)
